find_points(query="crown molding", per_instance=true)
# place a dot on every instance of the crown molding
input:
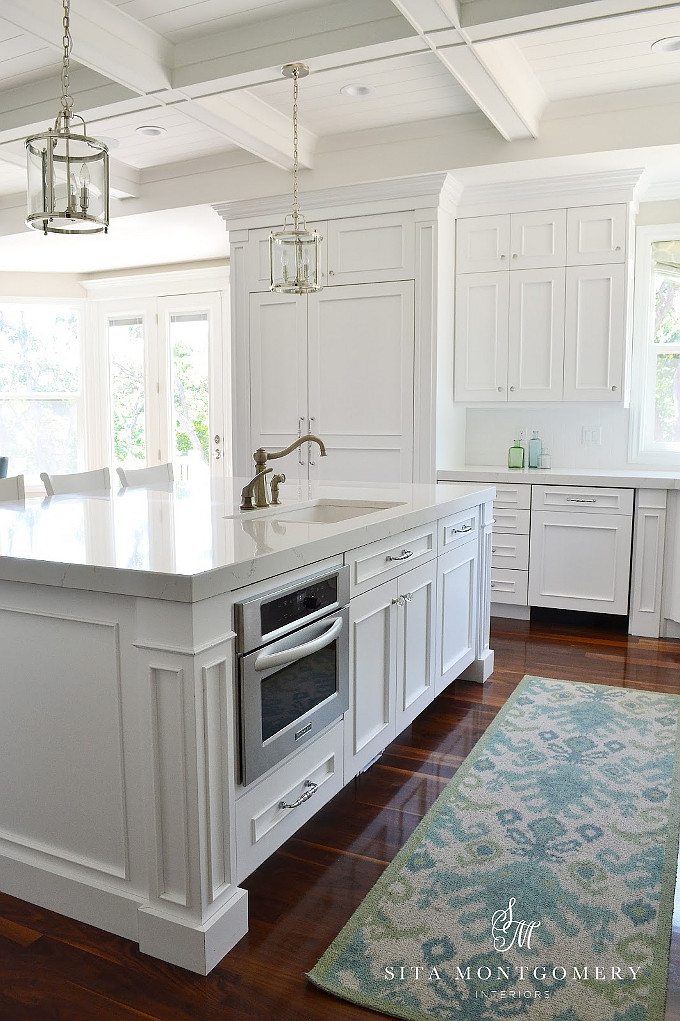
(549, 192)
(382, 196)
(138, 285)
(661, 191)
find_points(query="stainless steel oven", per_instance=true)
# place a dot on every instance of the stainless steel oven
(293, 665)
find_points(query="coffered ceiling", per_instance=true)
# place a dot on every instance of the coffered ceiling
(447, 85)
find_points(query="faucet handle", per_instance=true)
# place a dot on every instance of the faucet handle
(276, 481)
(247, 491)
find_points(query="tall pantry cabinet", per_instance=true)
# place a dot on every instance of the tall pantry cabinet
(355, 362)
(541, 304)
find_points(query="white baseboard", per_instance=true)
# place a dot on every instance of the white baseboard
(670, 629)
(510, 610)
(197, 948)
(479, 669)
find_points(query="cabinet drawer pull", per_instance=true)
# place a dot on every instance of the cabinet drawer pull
(465, 528)
(493, 549)
(404, 555)
(579, 499)
(310, 788)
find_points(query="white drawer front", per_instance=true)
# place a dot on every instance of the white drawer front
(457, 529)
(511, 551)
(388, 558)
(506, 519)
(583, 498)
(508, 495)
(261, 824)
(509, 586)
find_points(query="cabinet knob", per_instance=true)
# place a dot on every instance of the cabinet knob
(514, 255)
(614, 388)
(618, 248)
(331, 272)
(500, 389)
(502, 256)
(513, 388)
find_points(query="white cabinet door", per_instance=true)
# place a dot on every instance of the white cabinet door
(361, 351)
(594, 333)
(363, 249)
(278, 376)
(417, 618)
(536, 335)
(481, 331)
(370, 720)
(538, 240)
(482, 243)
(596, 234)
(580, 560)
(456, 612)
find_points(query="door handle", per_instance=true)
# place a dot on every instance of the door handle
(265, 661)
(301, 459)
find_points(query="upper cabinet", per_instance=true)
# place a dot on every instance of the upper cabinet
(534, 240)
(362, 249)
(354, 250)
(596, 234)
(541, 305)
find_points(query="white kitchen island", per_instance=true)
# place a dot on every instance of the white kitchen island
(119, 803)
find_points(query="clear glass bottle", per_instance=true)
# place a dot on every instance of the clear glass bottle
(516, 455)
(535, 447)
(545, 458)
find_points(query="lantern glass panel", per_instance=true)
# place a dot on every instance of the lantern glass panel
(295, 262)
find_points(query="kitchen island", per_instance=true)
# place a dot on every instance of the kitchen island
(121, 803)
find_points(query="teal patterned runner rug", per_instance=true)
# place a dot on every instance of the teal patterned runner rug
(539, 886)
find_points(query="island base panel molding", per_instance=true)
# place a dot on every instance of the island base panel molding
(196, 947)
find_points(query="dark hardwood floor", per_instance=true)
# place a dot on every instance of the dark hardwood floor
(55, 968)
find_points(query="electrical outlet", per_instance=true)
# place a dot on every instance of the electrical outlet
(591, 437)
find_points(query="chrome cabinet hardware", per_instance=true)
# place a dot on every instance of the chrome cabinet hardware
(265, 661)
(401, 600)
(310, 788)
(493, 549)
(614, 388)
(404, 555)
(301, 419)
(500, 389)
(465, 528)
(581, 499)
(513, 388)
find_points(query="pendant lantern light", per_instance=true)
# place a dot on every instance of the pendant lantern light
(294, 250)
(68, 172)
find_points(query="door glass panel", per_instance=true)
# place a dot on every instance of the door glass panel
(189, 347)
(128, 401)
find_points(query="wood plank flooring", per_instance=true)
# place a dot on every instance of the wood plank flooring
(55, 969)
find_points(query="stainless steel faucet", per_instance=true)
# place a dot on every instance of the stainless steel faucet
(255, 493)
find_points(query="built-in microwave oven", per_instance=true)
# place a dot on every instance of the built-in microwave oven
(293, 667)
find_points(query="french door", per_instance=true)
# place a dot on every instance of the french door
(163, 362)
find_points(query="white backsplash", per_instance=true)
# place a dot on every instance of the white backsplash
(490, 431)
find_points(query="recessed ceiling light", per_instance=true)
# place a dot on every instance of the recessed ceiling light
(356, 91)
(151, 130)
(671, 44)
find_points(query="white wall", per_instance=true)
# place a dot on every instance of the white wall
(40, 285)
(490, 432)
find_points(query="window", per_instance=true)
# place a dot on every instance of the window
(655, 392)
(41, 412)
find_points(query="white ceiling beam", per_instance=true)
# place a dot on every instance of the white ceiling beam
(497, 77)
(34, 106)
(104, 39)
(253, 125)
(243, 54)
(494, 19)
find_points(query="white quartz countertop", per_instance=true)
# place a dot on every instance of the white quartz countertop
(186, 544)
(630, 478)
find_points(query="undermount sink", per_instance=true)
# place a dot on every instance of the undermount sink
(329, 511)
(319, 512)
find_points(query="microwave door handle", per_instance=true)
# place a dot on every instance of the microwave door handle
(265, 661)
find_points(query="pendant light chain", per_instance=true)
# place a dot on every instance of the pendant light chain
(67, 43)
(296, 204)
